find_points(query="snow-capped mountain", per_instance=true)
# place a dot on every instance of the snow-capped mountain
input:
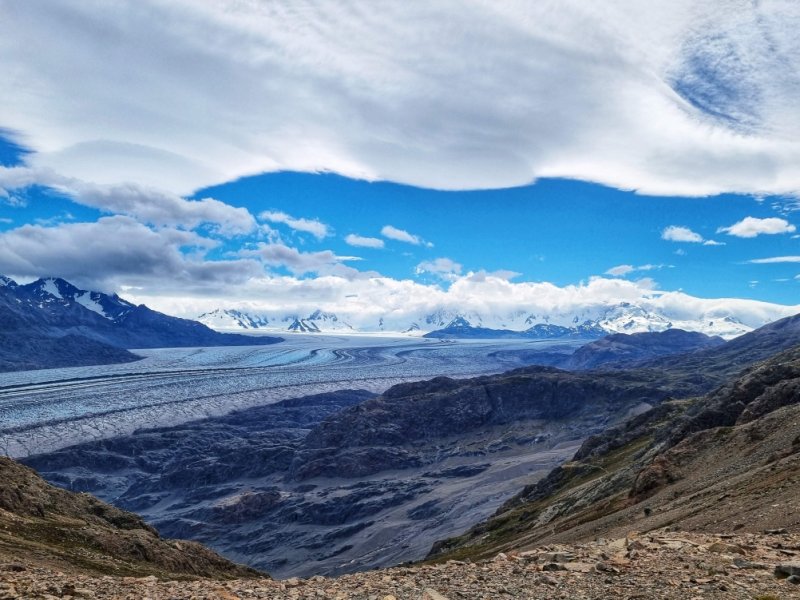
(55, 308)
(585, 322)
(232, 319)
(55, 291)
(317, 321)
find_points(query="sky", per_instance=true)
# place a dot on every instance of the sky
(254, 153)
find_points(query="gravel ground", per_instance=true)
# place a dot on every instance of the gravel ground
(662, 564)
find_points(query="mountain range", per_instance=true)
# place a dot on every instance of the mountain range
(348, 480)
(52, 323)
(585, 323)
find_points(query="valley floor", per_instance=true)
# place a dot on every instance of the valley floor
(657, 565)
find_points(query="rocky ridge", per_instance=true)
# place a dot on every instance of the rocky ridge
(623, 351)
(40, 523)
(728, 461)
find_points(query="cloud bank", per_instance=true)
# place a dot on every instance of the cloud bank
(169, 269)
(680, 98)
(147, 204)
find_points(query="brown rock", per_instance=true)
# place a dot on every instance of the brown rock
(431, 594)
(724, 548)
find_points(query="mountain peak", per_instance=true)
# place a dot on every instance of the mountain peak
(7, 282)
(55, 287)
(459, 321)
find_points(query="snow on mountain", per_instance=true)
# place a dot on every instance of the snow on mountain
(232, 319)
(53, 290)
(317, 321)
(590, 321)
(92, 322)
(49, 287)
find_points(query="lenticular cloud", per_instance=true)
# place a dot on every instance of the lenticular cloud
(681, 98)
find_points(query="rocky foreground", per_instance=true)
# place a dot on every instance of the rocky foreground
(661, 564)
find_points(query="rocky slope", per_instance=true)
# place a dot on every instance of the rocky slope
(728, 461)
(51, 323)
(622, 350)
(340, 482)
(659, 565)
(43, 524)
(22, 351)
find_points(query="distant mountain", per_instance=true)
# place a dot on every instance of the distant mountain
(317, 321)
(588, 323)
(460, 328)
(232, 319)
(622, 349)
(52, 323)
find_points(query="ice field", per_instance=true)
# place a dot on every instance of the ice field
(52, 408)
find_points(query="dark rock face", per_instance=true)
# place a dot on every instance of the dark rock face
(621, 350)
(763, 389)
(51, 323)
(379, 434)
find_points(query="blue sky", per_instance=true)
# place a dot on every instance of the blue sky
(440, 156)
(555, 230)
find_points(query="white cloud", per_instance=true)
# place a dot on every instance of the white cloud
(483, 275)
(362, 301)
(313, 226)
(713, 243)
(444, 268)
(620, 270)
(401, 235)
(642, 96)
(750, 227)
(623, 270)
(775, 260)
(363, 242)
(676, 233)
(147, 204)
(299, 263)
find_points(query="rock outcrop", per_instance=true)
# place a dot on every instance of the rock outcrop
(81, 533)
